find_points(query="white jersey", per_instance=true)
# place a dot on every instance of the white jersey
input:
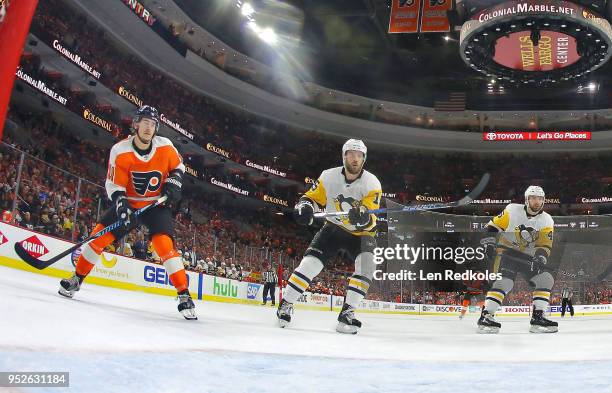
(524, 232)
(334, 193)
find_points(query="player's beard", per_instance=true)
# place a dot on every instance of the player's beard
(535, 211)
(351, 169)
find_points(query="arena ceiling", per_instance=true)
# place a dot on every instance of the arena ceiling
(344, 45)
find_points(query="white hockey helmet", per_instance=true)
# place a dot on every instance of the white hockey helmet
(533, 191)
(355, 144)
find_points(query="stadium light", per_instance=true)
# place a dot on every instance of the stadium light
(253, 26)
(247, 9)
(268, 36)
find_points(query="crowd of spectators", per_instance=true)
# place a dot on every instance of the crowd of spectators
(212, 236)
(599, 293)
(54, 161)
(405, 173)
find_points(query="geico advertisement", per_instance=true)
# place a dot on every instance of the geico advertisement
(110, 266)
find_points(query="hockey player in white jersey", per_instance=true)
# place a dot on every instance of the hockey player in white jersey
(346, 188)
(523, 245)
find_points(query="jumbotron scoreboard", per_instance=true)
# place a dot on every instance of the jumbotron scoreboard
(535, 41)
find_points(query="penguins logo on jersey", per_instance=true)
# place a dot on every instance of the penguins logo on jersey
(146, 181)
(526, 236)
(343, 203)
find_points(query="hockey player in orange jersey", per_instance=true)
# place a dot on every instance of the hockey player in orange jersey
(474, 290)
(142, 168)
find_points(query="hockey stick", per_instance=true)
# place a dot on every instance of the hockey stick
(466, 200)
(38, 264)
(524, 261)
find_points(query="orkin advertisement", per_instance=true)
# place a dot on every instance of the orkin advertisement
(76, 59)
(40, 86)
(521, 136)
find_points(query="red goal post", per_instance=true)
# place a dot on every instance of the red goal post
(16, 17)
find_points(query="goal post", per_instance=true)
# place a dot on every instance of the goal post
(16, 17)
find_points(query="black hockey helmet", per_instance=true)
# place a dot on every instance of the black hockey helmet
(146, 111)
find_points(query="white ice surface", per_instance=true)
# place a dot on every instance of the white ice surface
(112, 340)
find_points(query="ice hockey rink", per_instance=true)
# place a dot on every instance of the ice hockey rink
(112, 340)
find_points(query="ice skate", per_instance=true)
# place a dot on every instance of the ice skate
(68, 286)
(186, 306)
(487, 323)
(539, 324)
(285, 309)
(347, 323)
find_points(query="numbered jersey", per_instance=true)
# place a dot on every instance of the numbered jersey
(141, 177)
(334, 193)
(523, 232)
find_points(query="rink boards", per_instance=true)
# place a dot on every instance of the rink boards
(131, 274)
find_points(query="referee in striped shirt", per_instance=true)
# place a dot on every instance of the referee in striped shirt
(566, 300)
(269, 280)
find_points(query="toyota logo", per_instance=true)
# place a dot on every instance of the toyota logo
(491, 136)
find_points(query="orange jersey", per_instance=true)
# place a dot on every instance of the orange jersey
(141, 177)
(475, 287)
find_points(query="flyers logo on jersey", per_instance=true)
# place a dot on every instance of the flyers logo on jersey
(146, 181)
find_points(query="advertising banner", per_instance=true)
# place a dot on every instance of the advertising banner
(40, 86)
(522, 136)
(109, 126)
(229, 186)
(176, 126)
(76, 59)
(129, 96)
(131, 274)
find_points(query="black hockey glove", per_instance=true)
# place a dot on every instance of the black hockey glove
(122, 208)
(172, 188)
(304, 212)
(359, 217)
(489, 244)
(538, 261)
